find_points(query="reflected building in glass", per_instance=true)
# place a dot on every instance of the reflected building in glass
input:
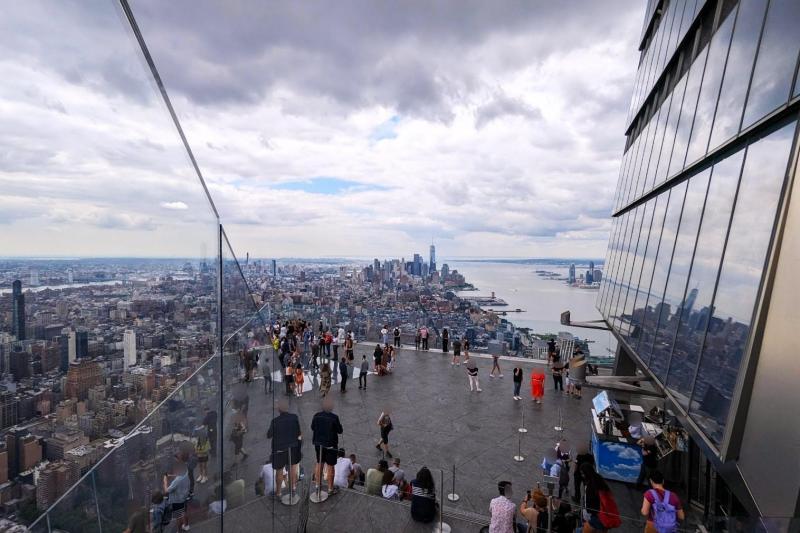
(699, 286)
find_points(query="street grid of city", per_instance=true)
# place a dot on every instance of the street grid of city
(106, 340)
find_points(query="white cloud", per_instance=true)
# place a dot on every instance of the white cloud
(505, 138)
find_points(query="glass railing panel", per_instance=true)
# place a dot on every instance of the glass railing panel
(115, 244)
(162, 464)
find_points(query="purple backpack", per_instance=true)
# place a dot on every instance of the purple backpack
(665, 515)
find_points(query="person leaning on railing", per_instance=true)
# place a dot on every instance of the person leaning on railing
(423, 496)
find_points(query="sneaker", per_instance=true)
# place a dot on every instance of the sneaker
(185, 527)
(452, 364)
(500, 375)
(480, 390)
(491, 375)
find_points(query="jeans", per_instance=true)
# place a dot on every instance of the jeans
(344, 382)
(558, 382)
(517, 386)
(362, 380)
(424, 344)
(397, 341)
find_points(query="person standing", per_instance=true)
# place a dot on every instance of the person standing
(661, 507)
(445, 340)
(385, 334)
(537, 385)
(557, 368)
(177, 492)
(472, 374)
(326, 428)
(344, 373)
(210, 423)
(584, 456)
(335, 344)
(456, 353)
(362, 376)
(503, 512)
(348, 346)
(417, 340)
(386, 426)
(598, 496)
(423, 333)
(377, 356)
(517, 382)
(299, 380)
(266, 371)
(465, 347)
(325, 379)
(284, 430)
(649, 459)
(396, 337)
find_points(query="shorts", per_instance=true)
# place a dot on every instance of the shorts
(385, 435)
(329, 455)
(178, 509)
(281, 458)
(289, 379)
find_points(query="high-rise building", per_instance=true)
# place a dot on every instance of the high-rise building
(274, 269)
(129, 348)
(54, 480)
(432, 261)
(70, 276)
(81, 376)
(34, 277)
(699, 284)
(81, 344)
(72, 347)
(571, 276)
(17, 310)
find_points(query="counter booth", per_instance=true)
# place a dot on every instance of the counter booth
(618, 430)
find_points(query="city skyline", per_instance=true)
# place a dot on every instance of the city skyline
(507, 148)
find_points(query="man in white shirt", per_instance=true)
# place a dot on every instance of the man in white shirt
(399, 475)
(342, 470)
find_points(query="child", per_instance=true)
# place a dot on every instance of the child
(299, 378)
(202, 449)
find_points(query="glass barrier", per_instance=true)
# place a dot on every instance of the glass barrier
(158, 473)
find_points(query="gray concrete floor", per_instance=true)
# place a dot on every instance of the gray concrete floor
(438, 423)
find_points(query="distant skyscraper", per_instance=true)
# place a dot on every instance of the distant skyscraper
(588, 277)
(72, 348)
(70, 276)
(571, 278)
(129, 348)
(81, 344)
(34, 277)
(597, 275)
(445, 270)
(17, 311)
(432, 262)
(591, 266)
(274, 269)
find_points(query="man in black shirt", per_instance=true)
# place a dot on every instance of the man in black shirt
(326, 428)
(284, 430)
(649, 459)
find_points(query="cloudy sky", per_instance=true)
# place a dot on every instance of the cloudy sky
(322, 128)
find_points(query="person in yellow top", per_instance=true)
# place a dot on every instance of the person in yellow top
(202, 449)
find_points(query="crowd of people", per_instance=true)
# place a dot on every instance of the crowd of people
(301, 348)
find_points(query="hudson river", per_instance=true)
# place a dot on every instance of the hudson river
(542, 300)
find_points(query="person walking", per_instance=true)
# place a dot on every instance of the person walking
(537, 385)
(472, 374)
(335, 345)
(423, 333)
(344, 373)
(496, 366)
(456, 353)
(517, 382)
(600, 509)
(386, 426)
(325, 379)
(326, 428)
(445, 340)
(266, 371)
(660, 507)
(362, 376)
(396, 337)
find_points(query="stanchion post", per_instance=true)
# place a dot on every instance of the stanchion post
(519, 458)
(522, 428)
(453, 497)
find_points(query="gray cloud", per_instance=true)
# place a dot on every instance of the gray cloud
(504, 106)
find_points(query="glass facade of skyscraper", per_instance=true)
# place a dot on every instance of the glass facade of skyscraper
(706, 173)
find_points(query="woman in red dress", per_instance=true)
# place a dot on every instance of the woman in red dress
(537, 385)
